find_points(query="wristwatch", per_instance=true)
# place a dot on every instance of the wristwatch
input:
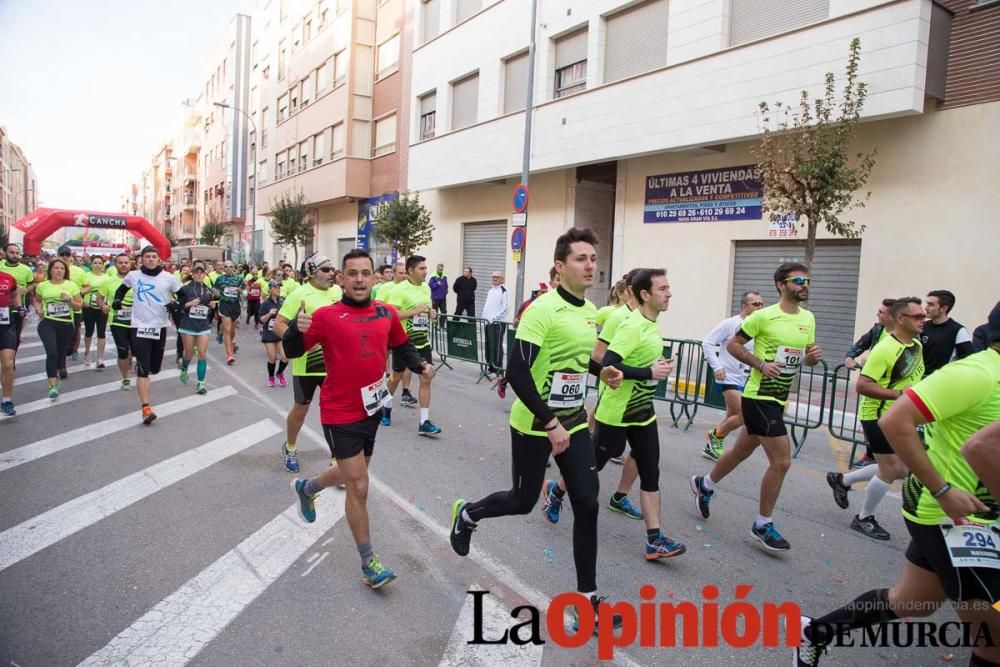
(943, 490)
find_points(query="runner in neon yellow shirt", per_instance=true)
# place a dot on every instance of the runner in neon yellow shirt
(784, 337)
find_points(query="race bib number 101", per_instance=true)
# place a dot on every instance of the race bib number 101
(789, 359)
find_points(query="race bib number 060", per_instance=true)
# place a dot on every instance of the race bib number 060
(568, 390)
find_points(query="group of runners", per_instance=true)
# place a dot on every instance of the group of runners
(929, 415)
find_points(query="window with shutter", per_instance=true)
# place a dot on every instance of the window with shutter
(636, 40)
(428, 115)
(571, 63)
(337, 143)
(430, 19)
(385, 136)
(466, 8)
(755, 19)
(465, 102)
(388, 56)
(515, 83)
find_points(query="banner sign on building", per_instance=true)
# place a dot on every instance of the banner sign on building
(369, 211)
(709, 195)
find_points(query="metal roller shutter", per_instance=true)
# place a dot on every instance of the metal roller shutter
(636, 40)
(465, 102)
(484, 248)
(466, 8)
(344, 246)
(515, 83)
(571, 48)
(833, 293)
(756, 19)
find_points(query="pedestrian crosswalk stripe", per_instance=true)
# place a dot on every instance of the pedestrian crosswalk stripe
(44, 530)
(494, 622)
(41, 357)
(86, 392)
(91, 432)
(182, 624)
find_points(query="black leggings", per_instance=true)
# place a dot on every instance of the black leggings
(94, 318)
(609, 442)
(529, 454)
(73, 344)
(123, 344)
(253, 307)
(56, 337)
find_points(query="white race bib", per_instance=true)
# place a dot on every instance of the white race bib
(125, 315)
(231, 292)
(374, 395)
(568, 390)
(4, 315)
(972, 545)
(789, 359)
(198, 312)
(149, 333)
(58, 309)
(270, 324)
(93, 299)
(420, 322)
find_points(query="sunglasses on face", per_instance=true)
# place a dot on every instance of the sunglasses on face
(326, 269)
(918, 317)
(755, 303)
(797, 280)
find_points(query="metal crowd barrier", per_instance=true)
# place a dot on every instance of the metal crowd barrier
(471, 339)
(804, 411)
(843, 417)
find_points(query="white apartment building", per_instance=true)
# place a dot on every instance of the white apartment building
(631, 95)
(18, 184)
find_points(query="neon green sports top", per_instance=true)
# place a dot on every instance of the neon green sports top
(565, 334)
(638, 342)
(407, 296)
(311, 363)
(893, 366)
(122, 317)
(604, 313)
(610, 326)
(53, 307)
(957, 401)
(781, 338)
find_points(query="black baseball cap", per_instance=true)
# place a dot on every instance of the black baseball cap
(64, 250)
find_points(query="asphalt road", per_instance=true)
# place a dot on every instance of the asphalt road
(179, 543)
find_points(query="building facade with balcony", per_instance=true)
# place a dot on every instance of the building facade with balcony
(631, 98)
(18, 184)
(327, 98)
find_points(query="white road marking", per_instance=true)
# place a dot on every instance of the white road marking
(496, 620)
(91, 432)
(41, 357)
(44, 530)
(86, 392)
(313, 566)
(182, 624)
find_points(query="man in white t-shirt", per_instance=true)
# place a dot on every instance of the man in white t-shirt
(495, 311)
(152, 291)
(730, 374)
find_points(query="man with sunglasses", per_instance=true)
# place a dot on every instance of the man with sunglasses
(894, 364)
(784, 338)
(308, 370)
(730, 373)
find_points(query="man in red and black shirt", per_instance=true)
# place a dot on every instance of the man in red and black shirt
(10, 327)
(355, 335)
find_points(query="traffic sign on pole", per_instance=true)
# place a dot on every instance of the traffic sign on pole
(517, 238)
(521, 198)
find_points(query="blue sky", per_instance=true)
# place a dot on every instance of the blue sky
(88, 89)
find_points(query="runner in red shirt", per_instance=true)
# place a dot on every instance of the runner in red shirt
(254, 290)
(10, 326)
(355, 335)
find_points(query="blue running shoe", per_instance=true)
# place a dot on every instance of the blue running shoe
(663, 547)
(702, 496)
(291, 458)
(769, 537)
(307, 504)
(7, 407)
(375, 574)
(386, 419)
(427, 428)
(553, 501)
(624, 506)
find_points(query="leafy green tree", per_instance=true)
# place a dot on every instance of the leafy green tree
(213, 230)
(291, 224)
(405, 224)
(805, 162)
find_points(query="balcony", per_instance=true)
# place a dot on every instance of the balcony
(189, 202)
(701, 100)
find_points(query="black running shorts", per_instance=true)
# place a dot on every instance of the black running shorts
(927, 550)
(230, 309)
(347, 440)
(305, 386)
(763, 418)
(397, 359)
(877, 443)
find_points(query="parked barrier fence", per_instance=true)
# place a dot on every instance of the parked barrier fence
(817, 396)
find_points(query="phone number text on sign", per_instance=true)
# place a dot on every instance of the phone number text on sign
(709, 195)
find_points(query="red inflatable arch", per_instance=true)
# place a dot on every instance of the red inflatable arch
(43, 222)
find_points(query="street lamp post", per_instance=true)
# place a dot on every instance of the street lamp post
(253, 199)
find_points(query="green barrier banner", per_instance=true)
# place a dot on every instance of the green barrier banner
(462, 340)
